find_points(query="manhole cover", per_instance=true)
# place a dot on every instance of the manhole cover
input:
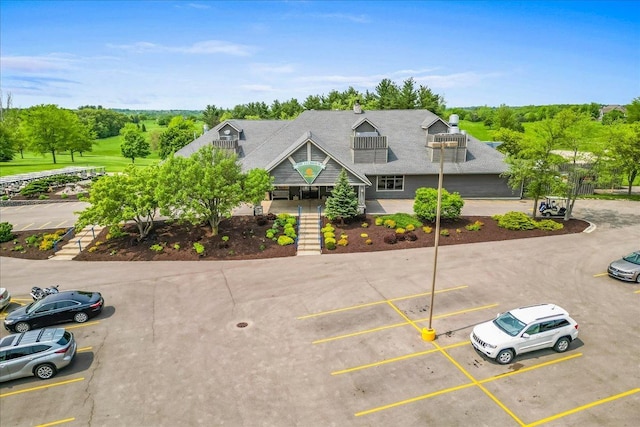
(242, 325)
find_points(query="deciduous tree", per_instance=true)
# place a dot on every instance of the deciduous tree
(179, 133)
(128, 196)
(134, 143)
(207, 186)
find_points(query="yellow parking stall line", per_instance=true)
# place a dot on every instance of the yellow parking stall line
(82, 325)
(529, 368)
(637, 292)
(470, 384)
(18, 300)
(600, 275)
(60, 224)
(397, 359)
(476, 382)
(404, 316)
(26, 227)
(413, 399)
(584, 407)
(45, 224)
(396, 325)
(355, 334)
(42, 387)
(55, 423)
(80, 350)
(355, 307)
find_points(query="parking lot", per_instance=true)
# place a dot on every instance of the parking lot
(334, 340)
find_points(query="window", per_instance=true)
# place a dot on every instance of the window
(390, 183)
(535, 329)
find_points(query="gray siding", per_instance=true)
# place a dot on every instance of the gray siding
(438, 127)
(469, 186)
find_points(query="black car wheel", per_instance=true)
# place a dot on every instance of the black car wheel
(562, 345)
(505, 356)
(81, 317)
(45, 371)
(22, 327)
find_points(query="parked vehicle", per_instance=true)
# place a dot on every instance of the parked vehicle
(67, 306)
(42, 352)
(553, 206)
(523, 330)
(39, 293)
(626, 268)
(5, 298)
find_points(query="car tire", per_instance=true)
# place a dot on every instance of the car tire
(45, 371)
(81, 317)
(505, 356)
(22, 327)
(562, 345)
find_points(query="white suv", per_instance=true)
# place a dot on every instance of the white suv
(523, 330)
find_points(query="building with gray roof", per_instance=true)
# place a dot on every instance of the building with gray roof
(387, 154)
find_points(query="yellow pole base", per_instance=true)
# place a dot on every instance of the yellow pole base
(428, 334)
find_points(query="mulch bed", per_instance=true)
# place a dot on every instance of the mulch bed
(247, 240)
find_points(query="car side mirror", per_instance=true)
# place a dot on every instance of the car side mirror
(525, 335)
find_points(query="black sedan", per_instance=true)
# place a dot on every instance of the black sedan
(66, 306)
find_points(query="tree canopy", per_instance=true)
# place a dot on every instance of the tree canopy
(205, 187)
(134, 143)
(343, 202)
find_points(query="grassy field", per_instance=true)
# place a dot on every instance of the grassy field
(106, 153)
(476, 129)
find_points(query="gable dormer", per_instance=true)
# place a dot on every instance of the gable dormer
(367, 145)
(228, 137)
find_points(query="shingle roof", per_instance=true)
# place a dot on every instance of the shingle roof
(265, 141)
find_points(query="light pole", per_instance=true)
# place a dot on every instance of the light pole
(429, 334)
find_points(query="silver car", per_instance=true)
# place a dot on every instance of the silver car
(40, 352)
(626, 268)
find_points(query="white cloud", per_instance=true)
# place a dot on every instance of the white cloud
(206, 47)
(457, 80)
(36, 64)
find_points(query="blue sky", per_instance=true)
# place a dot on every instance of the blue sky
(189, 54)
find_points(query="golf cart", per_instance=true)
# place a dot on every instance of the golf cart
(553, 206)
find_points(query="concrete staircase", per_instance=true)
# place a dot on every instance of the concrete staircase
(72, 248)
(308, 235)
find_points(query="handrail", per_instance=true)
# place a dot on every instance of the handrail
(55, 244)
(320, 225)
(298, 225)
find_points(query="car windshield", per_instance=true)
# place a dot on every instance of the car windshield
(509, 324)
(33, 306)
(633, 258)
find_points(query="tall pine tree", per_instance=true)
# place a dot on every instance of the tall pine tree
(343, 202)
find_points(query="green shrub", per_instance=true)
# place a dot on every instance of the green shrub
(6, 232)
(285, 240)
(515, 221)
(327, 229)
(225, 238)
(64, 196)
(32, 240)
(425, 204)
(115, 232)
(18, 248)
(157, 248)
(290, 232)
(271, 233)
(364, 225)
(330, 245)
(43, 197)
(199, 248)
(329, 240)
(176, 246)
(329, 234)
(444, 232)
(549, 225)
(379, 220)
(427, 229)
(476, 226)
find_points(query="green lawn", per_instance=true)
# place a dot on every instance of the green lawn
(106, 152)
(476, 129)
